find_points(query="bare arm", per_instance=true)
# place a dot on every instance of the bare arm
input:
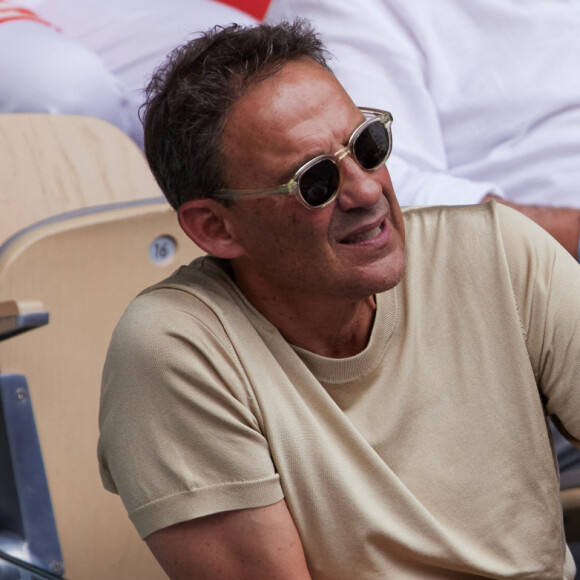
(562, 222)
(251, 544)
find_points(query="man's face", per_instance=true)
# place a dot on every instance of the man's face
(348, 250)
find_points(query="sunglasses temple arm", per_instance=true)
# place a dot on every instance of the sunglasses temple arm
(233, 194)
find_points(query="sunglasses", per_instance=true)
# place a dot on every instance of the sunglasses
(318, 181)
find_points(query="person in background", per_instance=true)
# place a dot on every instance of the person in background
(45, 71)
(338, 389)
(95, 58)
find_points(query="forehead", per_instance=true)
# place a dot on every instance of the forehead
(295, 86)
(300, 111)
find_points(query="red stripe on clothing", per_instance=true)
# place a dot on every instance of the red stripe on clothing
(9, 12)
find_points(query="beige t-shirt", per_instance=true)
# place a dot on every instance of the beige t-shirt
(424, 456)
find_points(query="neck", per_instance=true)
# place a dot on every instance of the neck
(334, 328)
(335, 336)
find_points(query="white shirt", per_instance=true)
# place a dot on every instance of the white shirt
(133, 37)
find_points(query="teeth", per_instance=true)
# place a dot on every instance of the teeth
(364, 236)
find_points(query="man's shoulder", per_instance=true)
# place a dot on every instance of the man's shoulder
(489, 207)
(196, 272)
(477, 231)
(453, 218)
(198, 290)
(203, 278)
(480, 233)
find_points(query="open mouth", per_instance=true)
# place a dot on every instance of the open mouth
(364, 236)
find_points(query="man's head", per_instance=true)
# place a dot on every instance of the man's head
(271, 113)
(190, 96)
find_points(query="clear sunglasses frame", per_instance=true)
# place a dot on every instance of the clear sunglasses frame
(293, 186)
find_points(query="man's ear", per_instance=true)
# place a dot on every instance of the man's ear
(205, 222)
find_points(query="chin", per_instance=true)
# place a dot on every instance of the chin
(362, 286)
(387, 275)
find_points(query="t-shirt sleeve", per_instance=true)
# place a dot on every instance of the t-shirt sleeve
(546, 283)
(180, 431)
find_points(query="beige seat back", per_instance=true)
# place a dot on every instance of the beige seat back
(84, 270)
(51, 164)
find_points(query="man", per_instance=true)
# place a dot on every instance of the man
(339, 391)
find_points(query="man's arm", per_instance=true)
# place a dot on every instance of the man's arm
(251, 544)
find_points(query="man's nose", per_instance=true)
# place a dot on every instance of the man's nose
(359, 188)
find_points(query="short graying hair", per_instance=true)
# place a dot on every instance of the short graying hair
(190, 95)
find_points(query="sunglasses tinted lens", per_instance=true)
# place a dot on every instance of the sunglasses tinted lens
(371, 147)
(319, 183)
